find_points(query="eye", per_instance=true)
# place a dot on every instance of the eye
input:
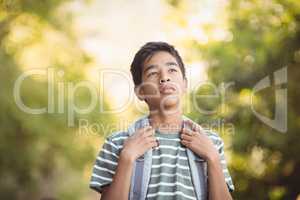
(152, 74)
(173, 70)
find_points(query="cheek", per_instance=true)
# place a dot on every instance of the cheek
(150, 89)
(180, 84)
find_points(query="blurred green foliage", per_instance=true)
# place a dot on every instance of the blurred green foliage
(265, 37)
(40, 156)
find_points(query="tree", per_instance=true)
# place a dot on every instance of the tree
(265, 37)
(40, 156)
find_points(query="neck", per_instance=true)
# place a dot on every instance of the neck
(166, 122)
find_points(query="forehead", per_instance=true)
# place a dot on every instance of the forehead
(160, 57)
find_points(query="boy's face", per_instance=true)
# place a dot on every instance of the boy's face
(162, 82)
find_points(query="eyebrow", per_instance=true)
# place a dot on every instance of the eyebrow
(171, 63)
(154, 66)
(149, 67)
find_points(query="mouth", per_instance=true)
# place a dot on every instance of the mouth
(166, 89)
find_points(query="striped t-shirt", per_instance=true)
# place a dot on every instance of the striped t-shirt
(170, 172)
(107, 161)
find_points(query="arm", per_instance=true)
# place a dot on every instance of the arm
(202, 145)
(217, 187)
(134, 147)
(121, 180)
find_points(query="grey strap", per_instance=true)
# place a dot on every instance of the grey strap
(138, 177)
(202, 177)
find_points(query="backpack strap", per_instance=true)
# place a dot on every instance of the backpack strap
(138, 172)
(138, 178)
(198, 168)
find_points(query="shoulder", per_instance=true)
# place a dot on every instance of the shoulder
(117, 134)
(215, 138)
(117, 138)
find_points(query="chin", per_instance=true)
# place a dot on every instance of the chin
(170, 102)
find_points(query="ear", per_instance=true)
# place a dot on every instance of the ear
(139, 92)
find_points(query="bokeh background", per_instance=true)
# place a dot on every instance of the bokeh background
(240, 41)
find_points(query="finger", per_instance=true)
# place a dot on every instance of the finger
(145, 141)
(151, 144)
(140, 131)
(194, 126)
(187, 131)
(149, 133)
(186, 137)
(155, 143)
(145, 128)
(150, 139)
(185, 142)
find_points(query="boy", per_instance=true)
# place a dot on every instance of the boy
(163, 155)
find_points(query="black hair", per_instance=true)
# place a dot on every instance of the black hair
(146, 52)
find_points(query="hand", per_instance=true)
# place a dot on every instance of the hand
(137, 144)
(198, 142)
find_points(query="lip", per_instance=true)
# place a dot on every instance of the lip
(166, 88)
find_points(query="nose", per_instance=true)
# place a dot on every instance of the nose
(164, 77)
(163, 80)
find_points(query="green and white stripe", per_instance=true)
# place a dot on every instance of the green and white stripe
(170, 173)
